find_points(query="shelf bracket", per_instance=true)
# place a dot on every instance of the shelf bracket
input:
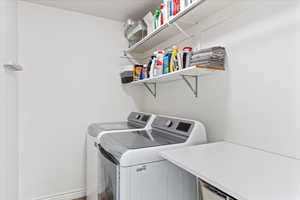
(151, 90)
(181, 30)
(193, 89)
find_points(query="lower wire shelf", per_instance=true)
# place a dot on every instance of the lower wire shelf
(185, 74)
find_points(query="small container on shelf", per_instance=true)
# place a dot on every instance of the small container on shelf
(134, 31)
(148, 19)
(138, 72)
(127, 74)
(145, 72)
(152, 67)
(167, 61)
(186, 57)
(158, 68)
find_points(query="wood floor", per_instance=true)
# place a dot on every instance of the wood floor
(81, 198)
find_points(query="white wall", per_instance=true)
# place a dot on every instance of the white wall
(8, 102)
(64, 88)
(256, 102)
(8, 136)
(71, 79)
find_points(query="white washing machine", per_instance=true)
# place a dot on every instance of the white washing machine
(132, 168)
(135, 121)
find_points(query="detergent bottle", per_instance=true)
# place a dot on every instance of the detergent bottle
(159, 62)
(166, 63)
(156, 18)
(174, 60)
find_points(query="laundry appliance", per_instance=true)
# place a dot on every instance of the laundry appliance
(135, 121)
(132, 168)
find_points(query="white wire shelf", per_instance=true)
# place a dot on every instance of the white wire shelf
(191, 71)
(193, 14)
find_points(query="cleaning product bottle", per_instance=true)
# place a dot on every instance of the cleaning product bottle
(166, 63)
(182, 5)
(161, 19)
(159, 61)
(186, 56)
(138, 71)
(142, 72)
(152, 68)
(175, 5)
(145, 71)
(178, 6)
(179, 60)
(170, 8)
(165, 11)
(149, 67)
(174, 60)
(156, 18)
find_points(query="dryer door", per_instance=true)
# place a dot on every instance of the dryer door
(108, 176)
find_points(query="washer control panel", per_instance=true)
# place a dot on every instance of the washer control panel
(137, 117)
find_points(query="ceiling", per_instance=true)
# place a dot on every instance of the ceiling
(118, 10)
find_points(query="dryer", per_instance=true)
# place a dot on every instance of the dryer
(135, 121)
(133, 169)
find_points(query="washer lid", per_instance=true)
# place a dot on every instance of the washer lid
(134, 140)
(135, 120)
(119, 142)
(96, 128)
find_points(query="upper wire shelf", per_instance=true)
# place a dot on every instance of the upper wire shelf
(187, 18)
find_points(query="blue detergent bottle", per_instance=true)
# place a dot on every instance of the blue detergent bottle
(166, 65)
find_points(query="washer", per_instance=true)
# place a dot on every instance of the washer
(135, 121)
(132, 168)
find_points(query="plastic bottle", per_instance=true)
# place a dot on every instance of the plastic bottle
(170, 8)
(142, 72)
(161, 18)
(166, 63)
(166, 11)
(156, 18)
(145, 71)
(186, 56)
(176, 7)
(149, 67)
(138, 70)
(182, 4)
(174, 60)
(159, 62)
(152, 68)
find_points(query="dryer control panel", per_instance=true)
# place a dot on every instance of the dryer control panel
(174, 125)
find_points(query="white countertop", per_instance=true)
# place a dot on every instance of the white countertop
(242, 172)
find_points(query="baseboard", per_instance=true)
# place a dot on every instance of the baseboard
(70, 195)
